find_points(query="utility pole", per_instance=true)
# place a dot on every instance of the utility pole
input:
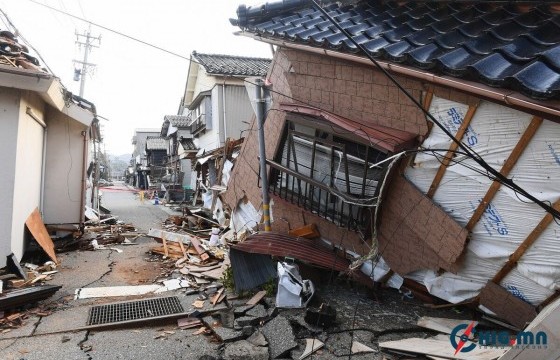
(88, 42)
(260, 104)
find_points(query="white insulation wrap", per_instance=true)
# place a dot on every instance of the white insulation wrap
(493, 133)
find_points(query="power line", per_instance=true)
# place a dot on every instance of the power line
(477, 158)
(469, 151)
(114, 31)
(19, 34)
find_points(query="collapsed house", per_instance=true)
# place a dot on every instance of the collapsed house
(489, 75)
(47, 140)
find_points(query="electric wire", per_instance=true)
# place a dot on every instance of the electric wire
(468, 150)
(20, 35)
(464, 147)
(114, 31)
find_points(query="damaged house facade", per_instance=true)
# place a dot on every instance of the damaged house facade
(176, 130)
(349, 152)
(139, 171)
(218, 110)
(46, 134)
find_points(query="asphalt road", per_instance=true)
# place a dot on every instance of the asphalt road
(32, 341)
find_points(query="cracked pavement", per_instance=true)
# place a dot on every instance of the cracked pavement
(52, 337)
(104, 268)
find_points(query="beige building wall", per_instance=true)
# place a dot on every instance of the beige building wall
(64, 161)
(9, 109)
(28, 167)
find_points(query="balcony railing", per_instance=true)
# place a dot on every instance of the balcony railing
(198, 124)
(317, 197)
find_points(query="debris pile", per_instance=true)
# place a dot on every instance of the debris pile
(98, 236)
(21, 288)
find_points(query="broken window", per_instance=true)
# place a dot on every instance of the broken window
(333, 176)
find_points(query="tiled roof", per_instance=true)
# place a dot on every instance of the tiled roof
(177, 120)
(501, 45)
(12, 53)
(156, 143)
(232, 65)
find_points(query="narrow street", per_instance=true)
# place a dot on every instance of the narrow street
(104, 268)
(54, 336)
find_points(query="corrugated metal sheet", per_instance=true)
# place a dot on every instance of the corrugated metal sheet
(238, 111)
(250, 270)
(306, 250)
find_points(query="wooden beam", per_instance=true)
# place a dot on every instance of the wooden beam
(428, 98)
(451, 152)
(525, 245)
(548, 300)
(505, 170)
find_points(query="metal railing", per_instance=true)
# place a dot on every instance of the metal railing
(198, 124)
(317, 197)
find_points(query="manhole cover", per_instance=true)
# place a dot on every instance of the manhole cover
(133, 310)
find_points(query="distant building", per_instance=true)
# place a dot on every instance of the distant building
(156, 155)
(139, 163)
(215, 107)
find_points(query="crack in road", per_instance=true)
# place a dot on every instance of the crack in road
(85, 348)
(36, 325)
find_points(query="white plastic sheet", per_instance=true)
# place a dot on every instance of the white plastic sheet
(376, 269)
(493, 133)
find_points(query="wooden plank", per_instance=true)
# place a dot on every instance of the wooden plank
(525, 245)
(215, 274)
(187, 323)
(216, 297)
(40, 234)
(428, 98)
(183, 248)
(165, 249)
(441, 325)
(256, 298)
(506, 169)
(451, 152)
(549, 300)
(440, 348)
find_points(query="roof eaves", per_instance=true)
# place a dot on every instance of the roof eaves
(504, 96)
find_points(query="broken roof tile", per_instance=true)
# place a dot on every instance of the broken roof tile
(503, 44)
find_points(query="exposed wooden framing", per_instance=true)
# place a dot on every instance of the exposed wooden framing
(428, 98)
(525, 245)
(505, 170)
(451, 153)
(182, 248)
(548, 300)
(165, 249)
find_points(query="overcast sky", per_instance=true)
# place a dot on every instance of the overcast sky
(133, 85)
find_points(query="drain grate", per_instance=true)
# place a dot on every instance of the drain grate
(134, 310)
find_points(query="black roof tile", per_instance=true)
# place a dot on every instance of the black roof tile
(494, 43)
(493, 69)
(546, 34)
(483, 45)
(422, 56)
(538, 80)
(455, 62)
(521, 49)
(552, 57)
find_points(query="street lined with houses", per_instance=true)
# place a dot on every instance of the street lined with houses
(381, 185)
